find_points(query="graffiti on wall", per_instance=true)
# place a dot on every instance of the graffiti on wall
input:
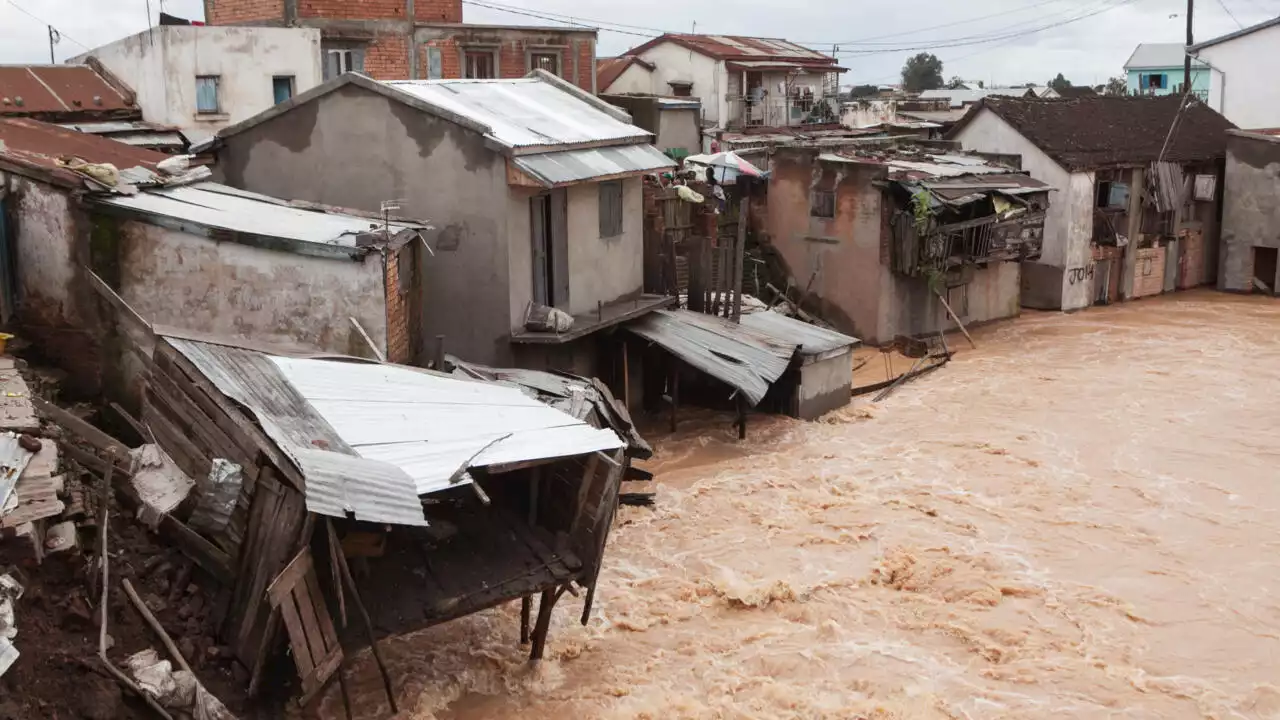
(1077, 275)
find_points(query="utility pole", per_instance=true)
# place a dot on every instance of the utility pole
(1186, 60)
(53, 38)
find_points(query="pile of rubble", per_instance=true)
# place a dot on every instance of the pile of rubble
(58, 509)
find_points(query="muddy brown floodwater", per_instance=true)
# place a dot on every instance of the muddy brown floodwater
(1080, 518)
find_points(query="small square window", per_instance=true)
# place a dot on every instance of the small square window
(478, 65)
(822, 203)
(611, 208)
(207, 94)
(548, 61)
(282, 88)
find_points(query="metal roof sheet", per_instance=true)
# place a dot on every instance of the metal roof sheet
(370, 438)
(57, 89)
(742, 357)
(571, 166)
(431, 426)
(524, 112)
(727, 47)
(813, 340)
(1160, 55)
(1238, 33)
(219, 206)
(37, 144)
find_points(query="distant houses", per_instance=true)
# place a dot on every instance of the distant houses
(1159, 69)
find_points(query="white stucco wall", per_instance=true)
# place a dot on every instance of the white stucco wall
(679, 129)
(1245, 78)
(604, 269)
(675, 62)
(161, 66)
(635, 79)
(241, 291)
(1068, 228)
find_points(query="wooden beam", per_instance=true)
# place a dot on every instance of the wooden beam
(80, 428)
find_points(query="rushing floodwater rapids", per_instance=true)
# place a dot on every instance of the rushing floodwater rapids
(1077, 519)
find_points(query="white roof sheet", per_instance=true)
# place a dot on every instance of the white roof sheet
(430, 426)
(570, 166)
(523, 112)
(369, 439)
(220, 206)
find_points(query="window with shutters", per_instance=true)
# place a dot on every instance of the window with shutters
(282, 88)
(611, 209)
(207, 94)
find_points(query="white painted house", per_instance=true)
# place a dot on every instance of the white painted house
(741, 81)
(1093, 150)
(1242, 84)
(202, 79)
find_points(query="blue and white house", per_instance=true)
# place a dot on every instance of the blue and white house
(1158, 69)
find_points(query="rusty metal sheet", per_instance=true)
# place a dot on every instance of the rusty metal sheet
(32, 89)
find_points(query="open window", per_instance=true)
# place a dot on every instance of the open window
(1112, 195)
(342, 59)
(479, 64)
(548, 60)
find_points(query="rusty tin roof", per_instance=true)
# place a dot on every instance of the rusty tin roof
(738, 47)
(60, 92)
(36, 146)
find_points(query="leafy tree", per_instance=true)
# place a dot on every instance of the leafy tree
(981, 85)
(1059, 83)
(1118, 85)
(922, 72)
(956, 83)
(859, 91)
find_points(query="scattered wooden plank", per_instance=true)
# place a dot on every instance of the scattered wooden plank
(377, 353)
(80, 428)
(316, 652)
(955, 317)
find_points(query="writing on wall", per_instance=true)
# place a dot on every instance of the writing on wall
(1077, 275)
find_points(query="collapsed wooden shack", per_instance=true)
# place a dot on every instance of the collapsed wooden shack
(446, 496)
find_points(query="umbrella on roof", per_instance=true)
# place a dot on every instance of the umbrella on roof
(727, 165)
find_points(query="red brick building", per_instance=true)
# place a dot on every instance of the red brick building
(419, 39)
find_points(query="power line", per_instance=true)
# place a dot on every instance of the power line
(32, 15)
(1232, 15)
(556, 17)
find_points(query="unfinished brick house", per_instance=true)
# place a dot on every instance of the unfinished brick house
(419, 39)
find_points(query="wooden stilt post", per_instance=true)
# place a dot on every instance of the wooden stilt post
(742, 416)
(526, 609)
(364, 615)
(675, 391)
(545, 605)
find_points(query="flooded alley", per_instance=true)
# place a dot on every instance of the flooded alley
(1078, 519)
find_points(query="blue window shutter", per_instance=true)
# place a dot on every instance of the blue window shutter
(207, 94)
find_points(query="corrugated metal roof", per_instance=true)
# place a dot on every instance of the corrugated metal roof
(431, 426)
(959, 98)
(740, 356)
(219, 206)
(1160, 56)
(37, 144)
(57, 89)
(524, 112)
(813, 340)
(369, 439)
(738, 47)
(132, 132)
(577, 165)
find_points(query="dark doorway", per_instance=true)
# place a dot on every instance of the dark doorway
(1264, 269)
(550, 249)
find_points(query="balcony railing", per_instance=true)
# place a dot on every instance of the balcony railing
(780, 111)
(972, 242)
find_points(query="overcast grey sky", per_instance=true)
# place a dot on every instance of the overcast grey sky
(875, 37)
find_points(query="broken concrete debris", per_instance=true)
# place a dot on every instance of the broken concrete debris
(10, 591)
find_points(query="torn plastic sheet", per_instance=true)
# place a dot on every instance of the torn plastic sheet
(175, 690)
(218, 498)
(10, 591)
(160, 483)
(13, 460)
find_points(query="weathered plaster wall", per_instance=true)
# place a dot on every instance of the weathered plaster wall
(679, 129)
(675, 62)
(635, 79)
(520, 253)
(373, 149)
(913, 309)
(226, 288)
(161, 65)
(603, 269)
(1068, 227)
(1251, 213)
(839, 258)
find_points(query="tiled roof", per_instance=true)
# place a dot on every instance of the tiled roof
(610, 69)
(1104, 131)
